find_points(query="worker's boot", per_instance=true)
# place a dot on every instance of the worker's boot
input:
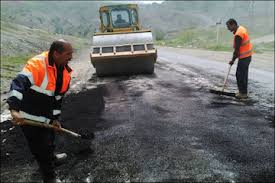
(241, 95)
(59, 159)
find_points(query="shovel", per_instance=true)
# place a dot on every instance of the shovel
(86, 136)
(222, 92)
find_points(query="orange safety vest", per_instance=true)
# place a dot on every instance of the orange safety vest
(246, 48)
(44, 80)
(42, 77)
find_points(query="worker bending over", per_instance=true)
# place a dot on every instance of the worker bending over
(36, 94)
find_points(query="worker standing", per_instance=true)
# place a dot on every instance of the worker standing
(36, 94)
(243, 51)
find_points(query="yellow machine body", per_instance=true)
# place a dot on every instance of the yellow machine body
(122, 47)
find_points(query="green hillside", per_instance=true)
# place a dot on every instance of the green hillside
(62, 17)
(212, 39)
(81, 18)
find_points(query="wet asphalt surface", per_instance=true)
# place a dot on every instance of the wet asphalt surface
(165, 127)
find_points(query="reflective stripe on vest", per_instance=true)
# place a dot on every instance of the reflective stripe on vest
(17, 94)
(40, 57)
(245, 43)
(40, 90)
(244, 53)
(58, 97)
(45, 80)
(29, 75)
(248, 53)
(35, 118)
(56, 112)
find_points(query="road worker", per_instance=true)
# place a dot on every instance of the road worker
(36, 94)
(243, 51)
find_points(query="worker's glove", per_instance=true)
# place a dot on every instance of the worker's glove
(16, 118)
(56, 125)
(231, 62)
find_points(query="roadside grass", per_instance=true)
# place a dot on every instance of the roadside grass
(21, 40)
(19, 43)
(203, 38)
(264, 47)
(10, 66)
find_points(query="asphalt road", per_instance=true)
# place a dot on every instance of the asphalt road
(158, 128)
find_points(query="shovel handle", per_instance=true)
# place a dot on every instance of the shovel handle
(45, 125)
(69, 132)
(226, 77)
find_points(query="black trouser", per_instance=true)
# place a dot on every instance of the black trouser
(242, 74)
(41, 144)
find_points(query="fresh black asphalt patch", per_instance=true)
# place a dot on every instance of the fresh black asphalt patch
(159, 128)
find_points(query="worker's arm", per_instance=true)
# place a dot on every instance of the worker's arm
(238, 41)
(18, 87)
